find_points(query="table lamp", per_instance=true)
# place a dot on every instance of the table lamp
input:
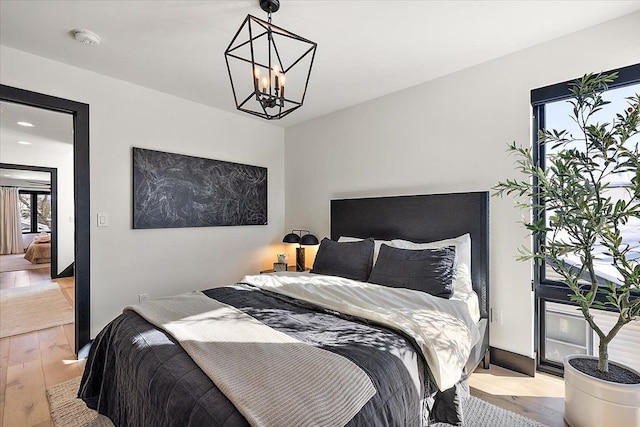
(306, 239)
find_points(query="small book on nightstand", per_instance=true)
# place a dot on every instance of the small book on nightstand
(280, 266)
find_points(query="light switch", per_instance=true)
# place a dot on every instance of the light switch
(103, 220)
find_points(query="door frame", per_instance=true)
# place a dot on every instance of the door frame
(53, 173)
(82, 211)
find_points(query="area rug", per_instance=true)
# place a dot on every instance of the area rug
(32, 308)
(479, 413)
(17, 262)
(69, 411)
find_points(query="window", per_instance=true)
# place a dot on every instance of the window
(557, 116)
(35, 211)
(552, 111)
(566, 332)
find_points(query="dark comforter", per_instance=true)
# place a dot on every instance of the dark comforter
(137, 375)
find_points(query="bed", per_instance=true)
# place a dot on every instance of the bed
(38, 252)
(360, 369)
(427, 218)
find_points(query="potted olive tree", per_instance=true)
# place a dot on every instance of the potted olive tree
(584, 224)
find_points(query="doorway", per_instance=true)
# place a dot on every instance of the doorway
(38, 206)
(81, 197)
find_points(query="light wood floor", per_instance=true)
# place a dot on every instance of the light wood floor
(30, 363)
(540, 398)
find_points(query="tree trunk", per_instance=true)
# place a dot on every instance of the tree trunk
(603, 356)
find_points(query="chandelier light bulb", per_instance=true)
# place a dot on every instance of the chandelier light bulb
(282, 81)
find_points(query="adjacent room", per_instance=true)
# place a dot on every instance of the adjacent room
(343, 212)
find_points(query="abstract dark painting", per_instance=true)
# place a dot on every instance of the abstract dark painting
(174, 190)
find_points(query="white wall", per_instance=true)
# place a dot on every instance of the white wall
(449, 135)
(127, 262)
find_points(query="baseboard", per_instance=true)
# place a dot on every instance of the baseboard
(513, 361)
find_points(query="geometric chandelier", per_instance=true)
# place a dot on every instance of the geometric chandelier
(269, 67)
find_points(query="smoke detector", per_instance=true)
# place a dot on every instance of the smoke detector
(86, 37)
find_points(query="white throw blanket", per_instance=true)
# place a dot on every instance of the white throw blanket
(271, 378)
(443, 329)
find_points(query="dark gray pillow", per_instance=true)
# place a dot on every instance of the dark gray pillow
(351, 260)
(427, 270)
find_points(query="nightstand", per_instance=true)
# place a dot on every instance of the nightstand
(290, 268)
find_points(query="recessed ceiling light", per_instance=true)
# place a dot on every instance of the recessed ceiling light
(26, 124)
(24, 143)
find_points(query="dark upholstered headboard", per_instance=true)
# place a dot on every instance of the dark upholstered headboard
(423, 218)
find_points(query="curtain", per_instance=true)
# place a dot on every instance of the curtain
(10, 228)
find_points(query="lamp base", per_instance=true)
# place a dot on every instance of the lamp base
(300, 264)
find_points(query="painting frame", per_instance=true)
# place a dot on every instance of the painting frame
(173, 190)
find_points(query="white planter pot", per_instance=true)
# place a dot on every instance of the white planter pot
(592, 402)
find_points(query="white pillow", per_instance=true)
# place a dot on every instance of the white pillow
(376, 248)
(462, 264)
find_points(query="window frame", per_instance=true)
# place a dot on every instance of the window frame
(547, 290)
(33, 207)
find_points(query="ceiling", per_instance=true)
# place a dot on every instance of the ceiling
(48, 126)
(25, 180)
(50, 137)
(366, 49)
